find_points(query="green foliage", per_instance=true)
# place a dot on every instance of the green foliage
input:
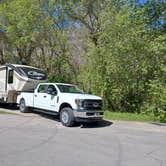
(127, 59)
(126, 116)
(123, 46)
(156, 103)
(31, 34)
(19, 19)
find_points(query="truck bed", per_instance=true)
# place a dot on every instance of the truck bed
(29, 98)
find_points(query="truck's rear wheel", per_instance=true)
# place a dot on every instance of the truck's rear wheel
(23, 107)
(67, 117)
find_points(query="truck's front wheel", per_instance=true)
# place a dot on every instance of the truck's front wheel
(67, 117)
(23, 107)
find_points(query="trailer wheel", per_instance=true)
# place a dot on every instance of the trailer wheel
(23, 107)
(67, 117)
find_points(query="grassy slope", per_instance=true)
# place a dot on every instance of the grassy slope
(4, 112)
(129, 117)
(120, 116)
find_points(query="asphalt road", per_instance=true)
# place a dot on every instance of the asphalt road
(43, 141)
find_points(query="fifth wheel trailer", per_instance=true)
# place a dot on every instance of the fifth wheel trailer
(16, 78)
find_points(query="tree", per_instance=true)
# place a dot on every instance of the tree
(86, 13)
(19, 20)
(154, 15)
(122, 65)
(35, 36)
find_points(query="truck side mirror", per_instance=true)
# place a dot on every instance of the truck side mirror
(50, 91)
(54, 93)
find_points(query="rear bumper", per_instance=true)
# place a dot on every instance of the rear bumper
(88, 116)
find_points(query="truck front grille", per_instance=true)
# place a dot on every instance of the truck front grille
(93, 104)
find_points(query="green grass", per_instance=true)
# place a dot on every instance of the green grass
(120, 116)
(4, 112)
(129, 117)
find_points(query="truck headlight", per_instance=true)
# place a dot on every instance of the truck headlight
(79, 103)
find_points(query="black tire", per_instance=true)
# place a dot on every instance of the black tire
(67, 117)
(23, 107)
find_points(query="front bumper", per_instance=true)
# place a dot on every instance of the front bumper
(88, 115)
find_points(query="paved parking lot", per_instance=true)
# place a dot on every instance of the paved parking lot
(40, 140)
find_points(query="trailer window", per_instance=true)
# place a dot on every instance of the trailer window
(10, 76)
(32, 73)
(42, 89)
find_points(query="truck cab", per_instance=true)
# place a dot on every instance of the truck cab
(65, 100)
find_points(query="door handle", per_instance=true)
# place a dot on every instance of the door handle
(44, 96)
(35, 95)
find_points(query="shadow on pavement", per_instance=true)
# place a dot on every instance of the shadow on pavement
(159, 124)
(100, 124)
(48, 116)
(12, 107)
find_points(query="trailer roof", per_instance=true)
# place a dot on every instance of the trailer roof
(57, 83)
(17, 65)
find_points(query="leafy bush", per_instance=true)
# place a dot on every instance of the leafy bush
(156, 102)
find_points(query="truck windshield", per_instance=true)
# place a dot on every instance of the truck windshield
(32, 73)
(69, 89)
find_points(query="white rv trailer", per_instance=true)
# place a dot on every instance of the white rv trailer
(16, 78)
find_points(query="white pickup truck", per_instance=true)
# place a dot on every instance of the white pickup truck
(65, 100)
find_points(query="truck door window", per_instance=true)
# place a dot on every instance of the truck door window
(10, 76)
(42, 89)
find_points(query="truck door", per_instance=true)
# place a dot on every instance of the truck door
(51, 98)
(39, 96)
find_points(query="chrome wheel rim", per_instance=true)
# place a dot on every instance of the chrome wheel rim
(22, 105)
(65, 117)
